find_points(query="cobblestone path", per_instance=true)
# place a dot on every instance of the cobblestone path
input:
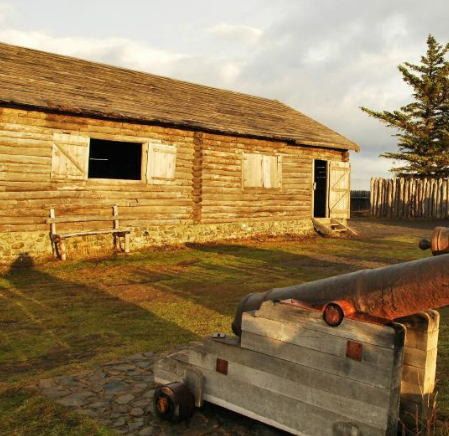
(119, 395)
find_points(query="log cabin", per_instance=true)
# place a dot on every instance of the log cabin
(87, 149)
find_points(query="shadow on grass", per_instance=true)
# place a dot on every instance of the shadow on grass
(219, 275)
(48, 323)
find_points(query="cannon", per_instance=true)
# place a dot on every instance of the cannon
(346, 355)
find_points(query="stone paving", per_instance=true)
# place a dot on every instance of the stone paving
(119, 395)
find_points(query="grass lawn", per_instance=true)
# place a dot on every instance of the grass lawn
(59, 318)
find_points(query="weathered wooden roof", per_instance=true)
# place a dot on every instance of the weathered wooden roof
(45, 81)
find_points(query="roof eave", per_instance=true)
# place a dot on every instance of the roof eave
(185, 124)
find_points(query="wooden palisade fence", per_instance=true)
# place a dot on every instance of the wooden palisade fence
(409, 197)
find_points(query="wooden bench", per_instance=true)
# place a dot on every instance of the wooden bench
(58, 239)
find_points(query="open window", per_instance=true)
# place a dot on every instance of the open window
(115, 160)
(261, 171)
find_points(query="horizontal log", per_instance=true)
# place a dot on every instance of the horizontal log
(6, 135)
(27, 160)
(226, 218)
(24, 142)
(22, 167)
(25, 151)
(23, 177)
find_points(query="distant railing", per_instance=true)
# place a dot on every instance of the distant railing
(410, 198)
(360, 201)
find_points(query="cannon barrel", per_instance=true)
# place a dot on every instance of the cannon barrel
(390, 292)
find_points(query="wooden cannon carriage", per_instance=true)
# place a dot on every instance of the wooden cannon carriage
(351, 355)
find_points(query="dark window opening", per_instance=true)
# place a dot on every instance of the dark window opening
(115, 160)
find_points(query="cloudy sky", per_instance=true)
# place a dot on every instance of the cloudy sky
(325, 58)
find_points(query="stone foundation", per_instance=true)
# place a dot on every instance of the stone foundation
(21, 247)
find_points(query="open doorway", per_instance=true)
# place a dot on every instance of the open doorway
(320, 189)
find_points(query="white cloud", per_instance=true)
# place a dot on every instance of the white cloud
(236, 33)
(7, 13)
(117, 51)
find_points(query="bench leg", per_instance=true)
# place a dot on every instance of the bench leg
(54, 247)
(62, 250)
(127, 238)
(117, 245)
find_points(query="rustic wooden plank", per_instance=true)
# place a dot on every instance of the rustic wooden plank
(348, 408)
(318, 340)
(307, 376)
(355, 330)
(418, 358)
(293, 414)
(78, 218)
(93, 232)
(374, 376)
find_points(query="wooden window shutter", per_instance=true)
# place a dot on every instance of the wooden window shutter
(161, 163)
(70, 157)
(260, 171)
(252, 170)
(272, 170)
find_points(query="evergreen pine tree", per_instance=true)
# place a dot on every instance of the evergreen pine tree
(423, 125)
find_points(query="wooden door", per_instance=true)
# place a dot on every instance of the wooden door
(339, 190)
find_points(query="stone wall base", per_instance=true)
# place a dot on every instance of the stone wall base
(22, 247)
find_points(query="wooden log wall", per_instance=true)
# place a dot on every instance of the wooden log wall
(207, 187)
(410, 198)
(224, 199)
(27, 191)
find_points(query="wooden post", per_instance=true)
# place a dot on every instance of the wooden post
(446, 198)
(127, 237)
(418, 372)
(52, 232)
(62, 249)
(394, 197)
(115, 226)
(115, 213)
(406, 198)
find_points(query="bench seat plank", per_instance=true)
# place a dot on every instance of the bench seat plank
(90, 232)
(80, 219)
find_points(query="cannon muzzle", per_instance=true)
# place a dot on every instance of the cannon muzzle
(390, 292)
